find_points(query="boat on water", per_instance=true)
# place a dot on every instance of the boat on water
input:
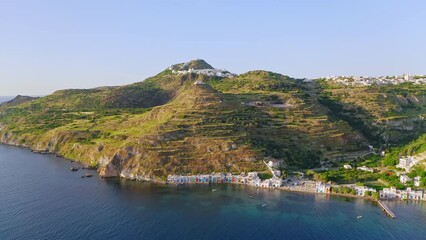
(359, 217)
(73, 169)
(264, 205)
(214, 190)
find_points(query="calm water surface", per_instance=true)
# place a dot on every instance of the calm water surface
(40, 198)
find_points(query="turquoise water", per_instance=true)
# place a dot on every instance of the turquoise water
(40, 198)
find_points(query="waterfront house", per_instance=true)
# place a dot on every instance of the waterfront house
(388, 193)
(361, 190)
(277, 182)
(322, 187)
(414, 195)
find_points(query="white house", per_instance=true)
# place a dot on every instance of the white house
(360, 190)
(322, 187)
(347, 166)
(388, 193)
(407, 163)
(404, 179)
(365, 169)
(274, 163)
(417, 181)
(277, 182)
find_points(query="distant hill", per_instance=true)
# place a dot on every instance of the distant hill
(204, 120)
(194, 64)
(16, 101)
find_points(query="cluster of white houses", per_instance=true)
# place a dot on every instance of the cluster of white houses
(368, 81)
(407, 163)
(208, 72)
(250, 178)
(393, 193)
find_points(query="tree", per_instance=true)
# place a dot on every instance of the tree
(375, 195)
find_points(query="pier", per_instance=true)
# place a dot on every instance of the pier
(386, 209)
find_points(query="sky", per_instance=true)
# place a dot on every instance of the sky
(51, 45)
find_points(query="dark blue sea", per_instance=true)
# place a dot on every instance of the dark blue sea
(40, 198)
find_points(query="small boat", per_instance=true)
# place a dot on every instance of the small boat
(251, 196)
(264, 205)
(359, 217)
(88, 175)
(214, 190)
(74, 169)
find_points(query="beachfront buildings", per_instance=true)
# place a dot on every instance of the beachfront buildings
(322, 187)
(393, 193)
(250, 178)
(361, 190)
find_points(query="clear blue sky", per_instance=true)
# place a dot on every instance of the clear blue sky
(49, 45)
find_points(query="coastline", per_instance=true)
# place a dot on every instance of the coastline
(282, 188)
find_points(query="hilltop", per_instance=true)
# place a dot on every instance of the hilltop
(193, 118)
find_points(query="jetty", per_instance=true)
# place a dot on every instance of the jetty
(386, 209)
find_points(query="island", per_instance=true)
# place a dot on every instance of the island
(193, 123)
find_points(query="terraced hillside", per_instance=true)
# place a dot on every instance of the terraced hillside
(389, 114)
(167, 124)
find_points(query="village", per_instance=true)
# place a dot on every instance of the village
(299, 183)
(368, 81)
(208, 72)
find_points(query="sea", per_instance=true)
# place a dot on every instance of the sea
(5, 98)
(40, 198)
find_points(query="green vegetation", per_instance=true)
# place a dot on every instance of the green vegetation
(343, 190)
(346, 176)
(166, 124)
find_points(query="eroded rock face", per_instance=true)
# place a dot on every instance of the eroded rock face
(108, 171)
(113, 167)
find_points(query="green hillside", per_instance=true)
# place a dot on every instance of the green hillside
(167, 124)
